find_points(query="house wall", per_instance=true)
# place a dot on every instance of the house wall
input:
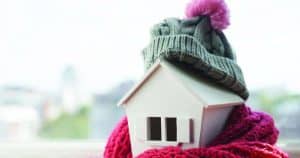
(162, 95)
(214, 120)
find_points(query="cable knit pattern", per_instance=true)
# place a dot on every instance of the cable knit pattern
(247, 135)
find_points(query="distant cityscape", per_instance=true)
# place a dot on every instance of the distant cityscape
(23, 110)
(27, 113)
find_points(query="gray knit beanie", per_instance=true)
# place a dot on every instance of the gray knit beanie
(194, 42)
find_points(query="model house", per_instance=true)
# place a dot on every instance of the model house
(173, 106)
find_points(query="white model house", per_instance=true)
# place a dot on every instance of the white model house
(172, 107)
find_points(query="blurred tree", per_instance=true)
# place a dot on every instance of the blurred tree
(68, 126)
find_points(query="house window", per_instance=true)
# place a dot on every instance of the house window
(171, 129)
(166, 129)
(154, 128)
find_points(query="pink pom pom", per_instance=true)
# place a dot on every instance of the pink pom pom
(217, 10)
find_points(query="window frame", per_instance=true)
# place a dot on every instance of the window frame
(163, 140)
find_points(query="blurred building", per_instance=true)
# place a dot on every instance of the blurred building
(23, 110)
(18, 123)
(70, 98)
(19, 112)
(288, 120)
(51, 108)
(104, 113)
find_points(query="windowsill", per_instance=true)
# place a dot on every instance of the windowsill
(52, 149)
(160, 143)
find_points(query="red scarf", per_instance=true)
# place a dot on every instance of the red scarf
(247, 135)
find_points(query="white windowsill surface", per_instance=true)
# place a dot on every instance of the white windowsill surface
(48, 149)
(158, 143)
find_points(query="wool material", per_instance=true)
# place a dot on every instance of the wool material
(193, 42)
(247, 134)
(217, 10)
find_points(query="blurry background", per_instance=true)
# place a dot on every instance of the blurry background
(64, 64)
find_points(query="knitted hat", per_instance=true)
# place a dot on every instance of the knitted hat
(199, 43)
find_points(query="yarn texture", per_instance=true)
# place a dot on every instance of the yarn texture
(195, 43)
(217, 10)
(247, 134)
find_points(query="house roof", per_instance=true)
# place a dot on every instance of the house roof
(207, 92)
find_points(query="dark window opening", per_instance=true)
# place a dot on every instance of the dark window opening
(171, 129)
(154, 128)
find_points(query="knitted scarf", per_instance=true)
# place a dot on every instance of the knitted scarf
(247, 134)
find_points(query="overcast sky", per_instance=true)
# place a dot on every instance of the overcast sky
(103, 40)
